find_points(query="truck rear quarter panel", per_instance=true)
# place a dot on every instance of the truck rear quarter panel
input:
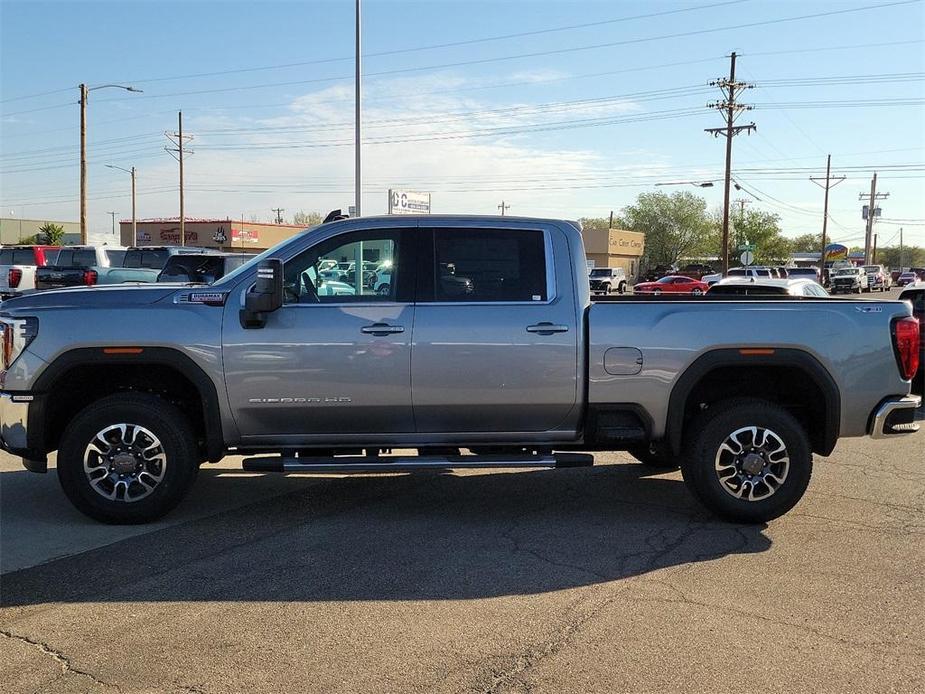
(850, 339)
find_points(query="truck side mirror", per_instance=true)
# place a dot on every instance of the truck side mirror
(267, 295)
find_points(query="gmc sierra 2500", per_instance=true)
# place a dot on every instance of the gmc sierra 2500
(486, 340)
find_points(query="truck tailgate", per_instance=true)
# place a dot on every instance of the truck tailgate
(54, 276)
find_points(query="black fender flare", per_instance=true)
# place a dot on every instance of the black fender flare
(746, 356)
(151, 356)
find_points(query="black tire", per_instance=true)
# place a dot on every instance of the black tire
(655, 456)
(702, 448)
(621, 288)
(177, 443)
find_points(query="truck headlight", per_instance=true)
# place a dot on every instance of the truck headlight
(17, 334)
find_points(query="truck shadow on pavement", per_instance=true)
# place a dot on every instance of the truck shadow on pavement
(428, 536)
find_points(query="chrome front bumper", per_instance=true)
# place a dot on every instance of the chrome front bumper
(895, 417)
(14, 418)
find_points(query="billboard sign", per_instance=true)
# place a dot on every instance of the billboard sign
(835, 251)
(408, 202)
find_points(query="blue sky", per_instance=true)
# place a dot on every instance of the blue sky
(570, 123)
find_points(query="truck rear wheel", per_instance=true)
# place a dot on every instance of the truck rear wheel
(747, 460)
(128, 458)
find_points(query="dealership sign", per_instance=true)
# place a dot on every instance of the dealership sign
(835, 251)
(244, 236)
(408, 202)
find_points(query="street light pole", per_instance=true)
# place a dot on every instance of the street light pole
(358, 181)
(134, 220)
(84, 92)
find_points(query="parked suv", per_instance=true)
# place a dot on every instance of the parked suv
(850, 279)
(606, 280)
(18, 265)
(155, 257)
(201, 268)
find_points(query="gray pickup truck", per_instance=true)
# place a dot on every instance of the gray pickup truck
(486, 341)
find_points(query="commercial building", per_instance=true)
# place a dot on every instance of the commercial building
(14, 230)
(614, 248)
(225, 234)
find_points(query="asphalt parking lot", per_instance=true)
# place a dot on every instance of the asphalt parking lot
(607, 579)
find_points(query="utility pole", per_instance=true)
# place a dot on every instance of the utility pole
(113, 215)
(83, 164)
(825, 208)
(503, 207)
(610, 225)
(731, 111)
(871, 213)
(874, 258)
(178, 140)
(358, 182)
(279, 212)
(741, 202)
(900, 248)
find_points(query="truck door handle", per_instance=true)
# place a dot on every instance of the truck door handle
(381, 329)
(547, 328)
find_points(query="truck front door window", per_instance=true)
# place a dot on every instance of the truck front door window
(354, 268)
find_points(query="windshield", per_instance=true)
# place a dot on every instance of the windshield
(600, 273)
(233, 276)
(872, 268)
(667, 280)
(845, 272)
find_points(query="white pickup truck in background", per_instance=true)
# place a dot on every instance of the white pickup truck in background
(18, 265)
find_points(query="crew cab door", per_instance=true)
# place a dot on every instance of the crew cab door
(335, 360)
(495, 341)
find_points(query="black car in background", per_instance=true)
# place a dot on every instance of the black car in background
(201, 268)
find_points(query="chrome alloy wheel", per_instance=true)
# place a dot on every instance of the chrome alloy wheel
(124, 462)
(752, 463)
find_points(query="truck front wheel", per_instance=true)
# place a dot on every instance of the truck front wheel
(747, 460)
(128, 458)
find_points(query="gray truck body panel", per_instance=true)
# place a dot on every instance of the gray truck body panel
(457, 373)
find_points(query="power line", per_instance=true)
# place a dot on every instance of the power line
(451, 44)
(573, 49)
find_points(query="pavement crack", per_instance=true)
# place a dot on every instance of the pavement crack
(533, 655)
(67, 668)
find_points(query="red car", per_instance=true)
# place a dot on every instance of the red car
(672, 284)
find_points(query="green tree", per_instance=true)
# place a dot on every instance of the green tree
(913, 256)
(53, 234)
(761, 229)
(806, 243)
(676, 226)
(308, 219)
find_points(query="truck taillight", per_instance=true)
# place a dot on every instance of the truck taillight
(90, 277)
(14, 277)
(906, 342)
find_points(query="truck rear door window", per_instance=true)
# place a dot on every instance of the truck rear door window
(489, 265)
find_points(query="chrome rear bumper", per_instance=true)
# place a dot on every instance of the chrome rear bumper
(894, 417)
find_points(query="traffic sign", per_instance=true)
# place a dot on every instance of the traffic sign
(747, 258)
(747, 246)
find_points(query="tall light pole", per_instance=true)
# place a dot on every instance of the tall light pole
(358, 180)
(134, 221)
(84, 92)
